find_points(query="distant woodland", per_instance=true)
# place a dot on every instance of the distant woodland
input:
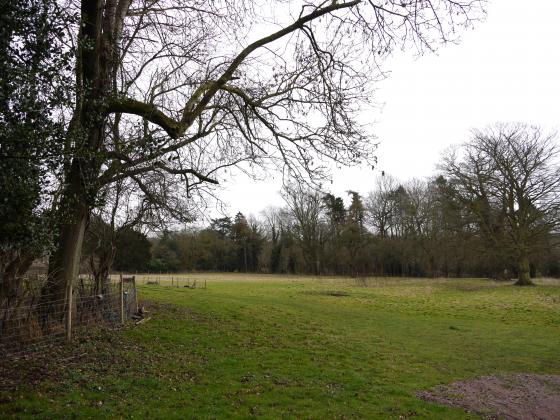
(490, 212)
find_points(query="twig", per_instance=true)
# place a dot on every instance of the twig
(143, 320)
(73, 357)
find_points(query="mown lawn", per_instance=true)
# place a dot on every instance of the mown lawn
(300, 347)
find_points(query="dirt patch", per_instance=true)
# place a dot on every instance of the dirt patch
(512, 396)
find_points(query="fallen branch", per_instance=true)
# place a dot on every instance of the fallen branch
(143, 320)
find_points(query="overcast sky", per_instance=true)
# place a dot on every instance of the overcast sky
(506, 69)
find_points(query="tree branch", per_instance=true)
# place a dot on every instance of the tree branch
(207, 90)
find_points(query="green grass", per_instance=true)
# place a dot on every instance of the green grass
(301, 347)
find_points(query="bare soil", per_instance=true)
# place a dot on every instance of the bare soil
(512, 396)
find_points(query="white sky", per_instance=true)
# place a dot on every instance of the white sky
(506, 69)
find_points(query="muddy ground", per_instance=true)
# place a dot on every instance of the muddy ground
(512, 396)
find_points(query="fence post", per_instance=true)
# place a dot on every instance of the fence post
(135, 293)
(69, 303)
(121, 293)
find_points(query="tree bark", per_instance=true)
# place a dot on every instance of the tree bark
(93, 74)
(64, 264)
(524, 272)
(10, 277)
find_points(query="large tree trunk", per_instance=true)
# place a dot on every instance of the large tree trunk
(64, 264)
(524, 272)
(100, 31)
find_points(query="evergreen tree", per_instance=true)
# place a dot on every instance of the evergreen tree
(34, 87)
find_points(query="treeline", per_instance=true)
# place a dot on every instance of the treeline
(416, 228)
(493, 210)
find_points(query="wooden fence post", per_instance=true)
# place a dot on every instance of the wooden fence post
(69, 303)
(121, 293)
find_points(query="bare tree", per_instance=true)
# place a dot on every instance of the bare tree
(277, 224)
(419, 205)
(206, 90)
(273, 221)
(306, 208)
(123, 206)
(379, 205)
(508, 176)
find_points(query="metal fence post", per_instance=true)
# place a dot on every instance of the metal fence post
(121, 293)
(135, 293)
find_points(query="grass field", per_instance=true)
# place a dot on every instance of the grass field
(300, 347)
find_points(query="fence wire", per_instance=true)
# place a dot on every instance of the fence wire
(31, 320)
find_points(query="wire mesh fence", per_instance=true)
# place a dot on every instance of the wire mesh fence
(33, 318)
(173, 280)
